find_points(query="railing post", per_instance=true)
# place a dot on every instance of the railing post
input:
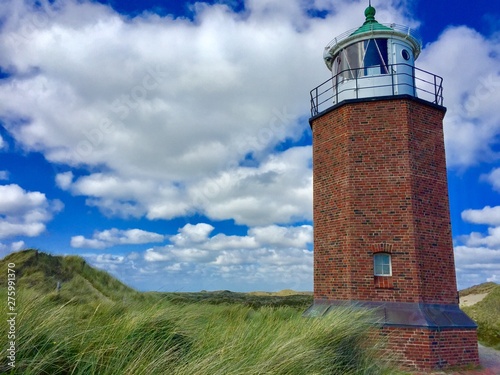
(336, 89)
(414, 80)
(311, 102)
(392, 78)
(316, 109)
(356, 86)
(435, 89)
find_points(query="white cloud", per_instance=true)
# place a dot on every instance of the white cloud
(3, 144)
(493, 178)
(477, 255)
(164, 112)
(190, 102)
(239, 261)
(18, 245)
(82, 242)
(279, 190)
(129, 197)
(266, 258)
(472, 127)
(274, 235)
(4, 175)
(64, 180)
(24, 213)
(491, 240)
(6, 249)
(192, 234)
(112, 237)
(475, 265)
(471, 93)
(487, 215)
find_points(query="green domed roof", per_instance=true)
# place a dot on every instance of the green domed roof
(370, 23)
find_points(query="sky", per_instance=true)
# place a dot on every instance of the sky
(168, 142)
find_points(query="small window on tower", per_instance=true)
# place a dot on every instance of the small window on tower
(382, 264)
(406, 55)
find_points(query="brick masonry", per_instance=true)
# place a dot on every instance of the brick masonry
(423, 349)
(380, 185)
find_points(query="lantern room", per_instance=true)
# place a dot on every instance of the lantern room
(374, 60)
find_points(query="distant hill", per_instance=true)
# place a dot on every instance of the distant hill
(478, 289)
(77, 280)
(281, 293)
(81, 283)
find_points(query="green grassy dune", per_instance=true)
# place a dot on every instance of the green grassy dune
(486, 313)
(96, 325)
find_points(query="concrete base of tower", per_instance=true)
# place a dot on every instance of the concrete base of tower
(417, 336)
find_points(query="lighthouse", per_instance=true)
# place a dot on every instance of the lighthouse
(382, 231)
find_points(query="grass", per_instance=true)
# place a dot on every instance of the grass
(96, 325)
(299, 301)
(486, 314)
(157, 336)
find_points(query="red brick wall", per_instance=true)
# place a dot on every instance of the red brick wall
(380, 185)
(423, 349)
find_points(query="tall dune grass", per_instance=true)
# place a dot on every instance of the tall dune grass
(57, 336)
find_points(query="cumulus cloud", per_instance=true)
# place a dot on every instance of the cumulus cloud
(491, 240)
(472, 93)
(487, 215)
(493, 178)
(192, 234)
(6, 249)
(191, 103)
(279, 190)
(246, 261)
(17, 245)
(4, 175)
(476, 265)
(477, 254)
(64, 180)
(128, 197)
(164, 112)
(112, 237)
(24, 213)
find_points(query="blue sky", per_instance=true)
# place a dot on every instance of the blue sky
(167, 142)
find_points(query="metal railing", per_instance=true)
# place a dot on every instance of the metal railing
(355, 84)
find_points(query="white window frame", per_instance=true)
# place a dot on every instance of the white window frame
(382, 261)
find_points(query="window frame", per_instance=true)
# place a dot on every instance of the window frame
(377, 265)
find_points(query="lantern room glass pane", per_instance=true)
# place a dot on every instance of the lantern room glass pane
(375, 58)
(367, 57)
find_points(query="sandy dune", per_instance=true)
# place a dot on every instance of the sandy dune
(472, 299)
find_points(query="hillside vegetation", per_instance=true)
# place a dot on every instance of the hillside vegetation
(77, 280)
(486, 314)
(96, 325)
(478, 289)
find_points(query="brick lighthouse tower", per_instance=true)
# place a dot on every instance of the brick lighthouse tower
(382, 232)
